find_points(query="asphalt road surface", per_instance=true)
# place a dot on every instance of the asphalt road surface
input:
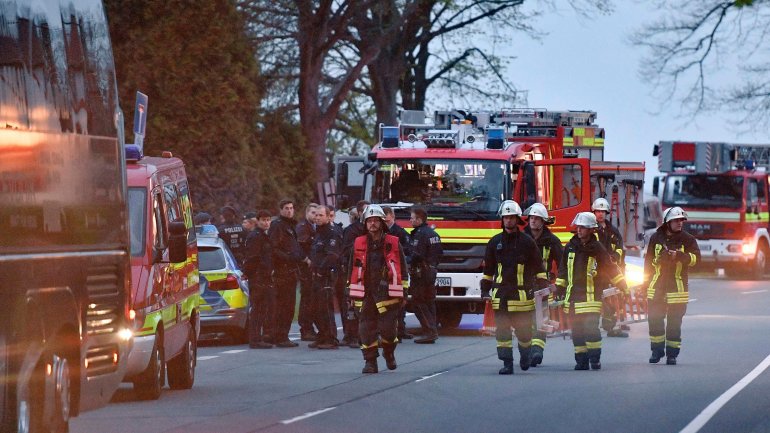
(719, 385)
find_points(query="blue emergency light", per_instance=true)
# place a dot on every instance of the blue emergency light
(133, 152)
(207, 230)
(495, 138)
(390, 136)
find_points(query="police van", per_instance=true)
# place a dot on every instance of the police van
(164, 275)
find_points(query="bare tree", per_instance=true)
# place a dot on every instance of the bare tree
(697, 42)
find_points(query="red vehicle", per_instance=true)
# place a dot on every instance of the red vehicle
(724, 190)
(464, 165)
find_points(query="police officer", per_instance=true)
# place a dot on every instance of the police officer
(424, 256)
(550, 253)
(512, 271)
(232, 232)
(670, 253)
(258, 268)
(287, 255)
(349, 235)
(324, 258)
(305, 235)
(583, 262)
(403, 240)
(377, 280)
(610, 238)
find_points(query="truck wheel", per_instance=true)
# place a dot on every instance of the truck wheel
(149, 383)
(181, 368)
(759, 266)
(450, 318)
(62, 394)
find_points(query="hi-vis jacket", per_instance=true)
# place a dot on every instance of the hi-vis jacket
(512, 264)
(378, 269)
(580, 266)
(667, 277)
(550, 251)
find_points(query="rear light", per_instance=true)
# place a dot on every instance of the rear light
(131, 314)
(228, 283)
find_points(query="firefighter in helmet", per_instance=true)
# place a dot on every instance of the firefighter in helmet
(550, 253)
(512, 272)
(610, 238)
(671, 252)
(583, 262)
(378, 277)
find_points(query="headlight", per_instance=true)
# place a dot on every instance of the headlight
(125, 334)
(747, 249)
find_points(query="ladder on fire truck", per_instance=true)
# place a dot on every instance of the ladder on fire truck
(707, 157)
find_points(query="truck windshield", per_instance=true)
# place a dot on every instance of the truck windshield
(137, 217)
(704, 191)
(444, 186)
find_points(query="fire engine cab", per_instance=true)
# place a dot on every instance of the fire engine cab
(723, 187)
(461, 165)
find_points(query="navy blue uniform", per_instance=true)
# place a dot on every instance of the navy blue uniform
(258, 267)
(306, 233)
(424, 256)
(325, 258)
(287, 255)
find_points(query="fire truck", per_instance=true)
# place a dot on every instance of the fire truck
(723, 187)
(461, 165)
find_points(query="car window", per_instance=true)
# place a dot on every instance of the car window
(231, 259)
(211, 258)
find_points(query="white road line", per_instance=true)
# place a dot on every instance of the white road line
(234, 351)
(428, 377)
(205, 358)
(750, 292)
(696, 424)
(692, 300)
(307, 415)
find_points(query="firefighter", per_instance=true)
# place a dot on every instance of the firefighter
(671, 252)
(550, 253)
(324, 257)
(610, 238)
(349, 235)
(258, 267)
(512, 271)
(287, 255)
(403, 240)
(424, 256)
(232, 232)
(583, 262)
(378, 278)
(305, 234)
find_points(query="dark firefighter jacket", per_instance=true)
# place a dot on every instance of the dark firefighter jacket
(666, 277)
(550, 251)
(581, 264)
(512, 268)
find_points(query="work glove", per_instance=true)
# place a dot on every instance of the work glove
(486, 287)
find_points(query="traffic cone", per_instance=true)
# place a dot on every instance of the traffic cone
(488, 325)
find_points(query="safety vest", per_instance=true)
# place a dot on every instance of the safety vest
(392, 259)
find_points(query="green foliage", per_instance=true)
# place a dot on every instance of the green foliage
(196, 64)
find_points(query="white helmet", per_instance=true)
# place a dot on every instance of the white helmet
(585, 219)
(674, 213)
(539, 210)
(509, 207)
(373, 210)
(601, 204)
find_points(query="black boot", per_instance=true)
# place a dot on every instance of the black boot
(671, 360)
(535, 356)
(370, 359)
(524, 358)
(657, 354)
(595, 356)
(581, 361)
(389, 353)
(370, 366)
(507, 367)
(596, 364)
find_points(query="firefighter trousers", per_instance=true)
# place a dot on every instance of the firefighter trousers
(665, 322)
(285, 302)
(261, 301)
(509, 323)
(586, 336)
(323, 304)
(374, 322)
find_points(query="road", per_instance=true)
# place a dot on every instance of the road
(453, 386)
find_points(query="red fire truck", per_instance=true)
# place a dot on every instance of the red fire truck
(462, 165)
(723, 188)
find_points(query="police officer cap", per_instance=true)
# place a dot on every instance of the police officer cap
(250, 215)
(228, 209)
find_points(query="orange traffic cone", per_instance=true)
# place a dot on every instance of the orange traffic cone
(488, 325)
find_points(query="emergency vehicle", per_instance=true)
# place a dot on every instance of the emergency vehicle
(723, 187)
(462, 165)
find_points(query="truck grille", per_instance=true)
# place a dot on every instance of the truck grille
(103, 316)
(462, 257)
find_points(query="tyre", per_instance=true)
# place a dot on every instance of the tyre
(759, 265)
(62, 394)
(149, 383)
(449, 318)
(181, 368)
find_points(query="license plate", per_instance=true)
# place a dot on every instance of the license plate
(704, 247)
(443, 282)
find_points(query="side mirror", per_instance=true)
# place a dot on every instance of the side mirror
(655, 186)
(177, 242)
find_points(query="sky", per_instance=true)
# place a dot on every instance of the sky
(558, 74)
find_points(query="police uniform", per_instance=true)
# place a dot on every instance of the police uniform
(287, 255)
(667, 289)
(424, 256)
(258, 267)
(612, 241)
(512, 266)
(234, 236)
(581, 265)
(551, 250)
(306, 232)
(324, 257)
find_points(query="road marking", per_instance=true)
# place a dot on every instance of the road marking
(692, 300)
(206, 358)
(307, 415)
(234, 351)
(750, 292)
(711, 410)
(428, 377)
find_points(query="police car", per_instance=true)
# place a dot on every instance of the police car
(224, 304)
